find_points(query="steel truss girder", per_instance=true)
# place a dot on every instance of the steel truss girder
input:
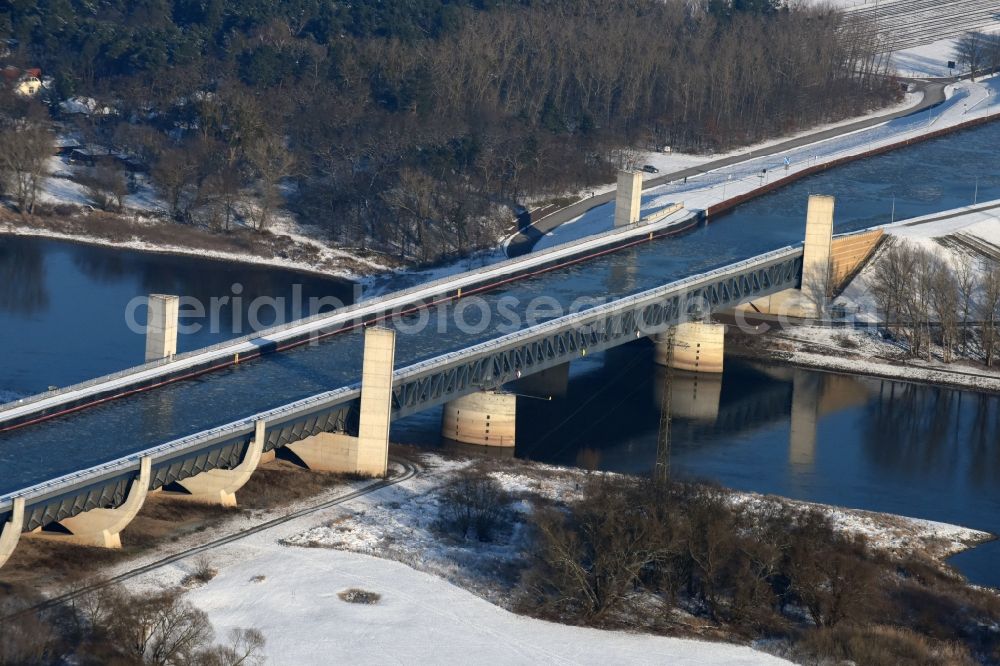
(515, 356)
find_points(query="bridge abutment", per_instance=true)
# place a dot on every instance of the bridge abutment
(487, 418)
(368, 452)
(811, 298)
(219, 486)
(692, 346)
(628, 199)
(10, 530)
(161, 326)
(102, 527)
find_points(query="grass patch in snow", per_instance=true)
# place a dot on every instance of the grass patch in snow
(356, 596)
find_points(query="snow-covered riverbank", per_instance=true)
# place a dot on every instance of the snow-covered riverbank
(859, 352)
(436, 592)
(293, 245)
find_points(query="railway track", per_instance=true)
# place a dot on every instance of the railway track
(904, 24)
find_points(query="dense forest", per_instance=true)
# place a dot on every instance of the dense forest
(414, 127)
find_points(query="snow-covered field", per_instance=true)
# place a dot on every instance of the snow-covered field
(291, 595)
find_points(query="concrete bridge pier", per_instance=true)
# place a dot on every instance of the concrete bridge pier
(696, 347)
(10, 530)
(161, 327)
(487, 418)
(219, 486)
(368, 453)
(102, 527)
(628, 199)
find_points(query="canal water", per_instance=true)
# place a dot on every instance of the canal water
(914, 450)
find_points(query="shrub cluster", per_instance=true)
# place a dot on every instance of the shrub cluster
(749, 569)
(474, 505)
(112, 626)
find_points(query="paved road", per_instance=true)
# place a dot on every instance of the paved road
(525, 240)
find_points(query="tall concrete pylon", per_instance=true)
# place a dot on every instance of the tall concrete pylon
(102, 527)
(816, 254)
(810, 300)
(161, 327)
(628, 199)
(368, 453)
(219, 486)
(376, 401)
(10, 530)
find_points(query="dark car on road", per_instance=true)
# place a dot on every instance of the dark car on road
(649, 168)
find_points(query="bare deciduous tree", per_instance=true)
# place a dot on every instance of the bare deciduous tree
(946, 298)
(175, 172)
(474, 504)
(244, 649)
(160, 629)
(891, 283)
(106, 185)
(971, 52)
(989, 313)
(26, 149)
(271, 162)
(113, 626)
(965, 277)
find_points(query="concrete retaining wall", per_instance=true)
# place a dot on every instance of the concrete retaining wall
(849, 254)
